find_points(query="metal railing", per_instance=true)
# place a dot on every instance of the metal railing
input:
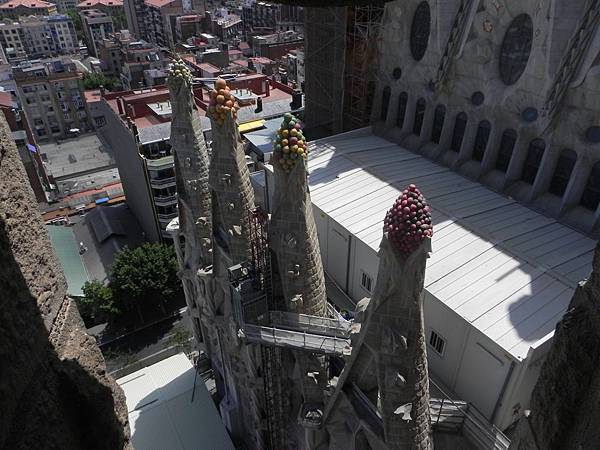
(310, 324)
(296, 339)
(474, 425)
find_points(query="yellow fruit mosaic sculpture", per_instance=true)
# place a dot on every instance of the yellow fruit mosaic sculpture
(221, 103)
(290, 145)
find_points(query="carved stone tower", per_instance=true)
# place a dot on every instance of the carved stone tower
(293, 230)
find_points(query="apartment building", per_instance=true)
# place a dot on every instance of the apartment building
(265, 16)
(113, 8)
(110, 51)
(138, 57)
(38, 37)
(17, 8)
(160, 18)
(96, 25)
(52, 95)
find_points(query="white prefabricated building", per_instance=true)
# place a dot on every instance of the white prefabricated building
(499, 278)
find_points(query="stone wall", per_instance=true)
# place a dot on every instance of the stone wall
(53, 384)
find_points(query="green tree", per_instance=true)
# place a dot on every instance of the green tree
(76, 19)
(93, 80)
(145, 277)
(98, 301)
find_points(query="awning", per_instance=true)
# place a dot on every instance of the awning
(251, 126)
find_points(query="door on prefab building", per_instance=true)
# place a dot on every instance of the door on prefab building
(338, 249)
(481, 377)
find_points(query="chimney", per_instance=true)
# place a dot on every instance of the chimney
(251, 65)
(259, 107)
(102, 91)
(296, 100)
(120, 106)
(267, 88)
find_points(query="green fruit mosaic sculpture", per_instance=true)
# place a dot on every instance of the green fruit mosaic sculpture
(290, 145)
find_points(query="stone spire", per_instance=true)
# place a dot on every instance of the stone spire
(229, 176)
(191, 168)
(391, 336)
(395, 325)
(293, 228)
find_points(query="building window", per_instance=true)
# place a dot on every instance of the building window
(437, 343)
(481, 140)
(460, 124)
(419, 31)
(591, 194)
(419, 116)
(516, 48)
(533, 160)
(507, 145)
(366, 282)
(438, 123)
(385, 102)
(402, 103)
(562, 172)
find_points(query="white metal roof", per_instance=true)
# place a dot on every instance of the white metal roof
(161, 413)
(506, 269)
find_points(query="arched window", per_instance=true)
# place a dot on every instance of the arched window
(516, 48)
(533, 160)
(402, 103)
(419, 116)
(481, 140)
(385, 102)
(438, 123)
(591, 194)
(507, 145)
(460, 124)
(419, 31)
(562, 172)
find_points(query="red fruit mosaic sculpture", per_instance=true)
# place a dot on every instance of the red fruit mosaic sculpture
(408, 222)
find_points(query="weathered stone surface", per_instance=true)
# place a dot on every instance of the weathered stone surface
(565, 403)
(54, 391)
(293, 236)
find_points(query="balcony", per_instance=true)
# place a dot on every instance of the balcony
(166, 218)
(162, 182)
(160, 163)
(166, 200)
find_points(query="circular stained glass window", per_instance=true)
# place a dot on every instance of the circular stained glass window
(516, 48)
(419, 32)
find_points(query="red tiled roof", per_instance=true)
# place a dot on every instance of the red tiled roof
(243, 46)
(208, 67)
(27, 4)
(262, 60)
(90, 3)
(5, 99)
(157, 3)
(234, 52)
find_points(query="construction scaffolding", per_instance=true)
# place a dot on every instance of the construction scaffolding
(325, 50)
(341, 54)
(362, 56)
